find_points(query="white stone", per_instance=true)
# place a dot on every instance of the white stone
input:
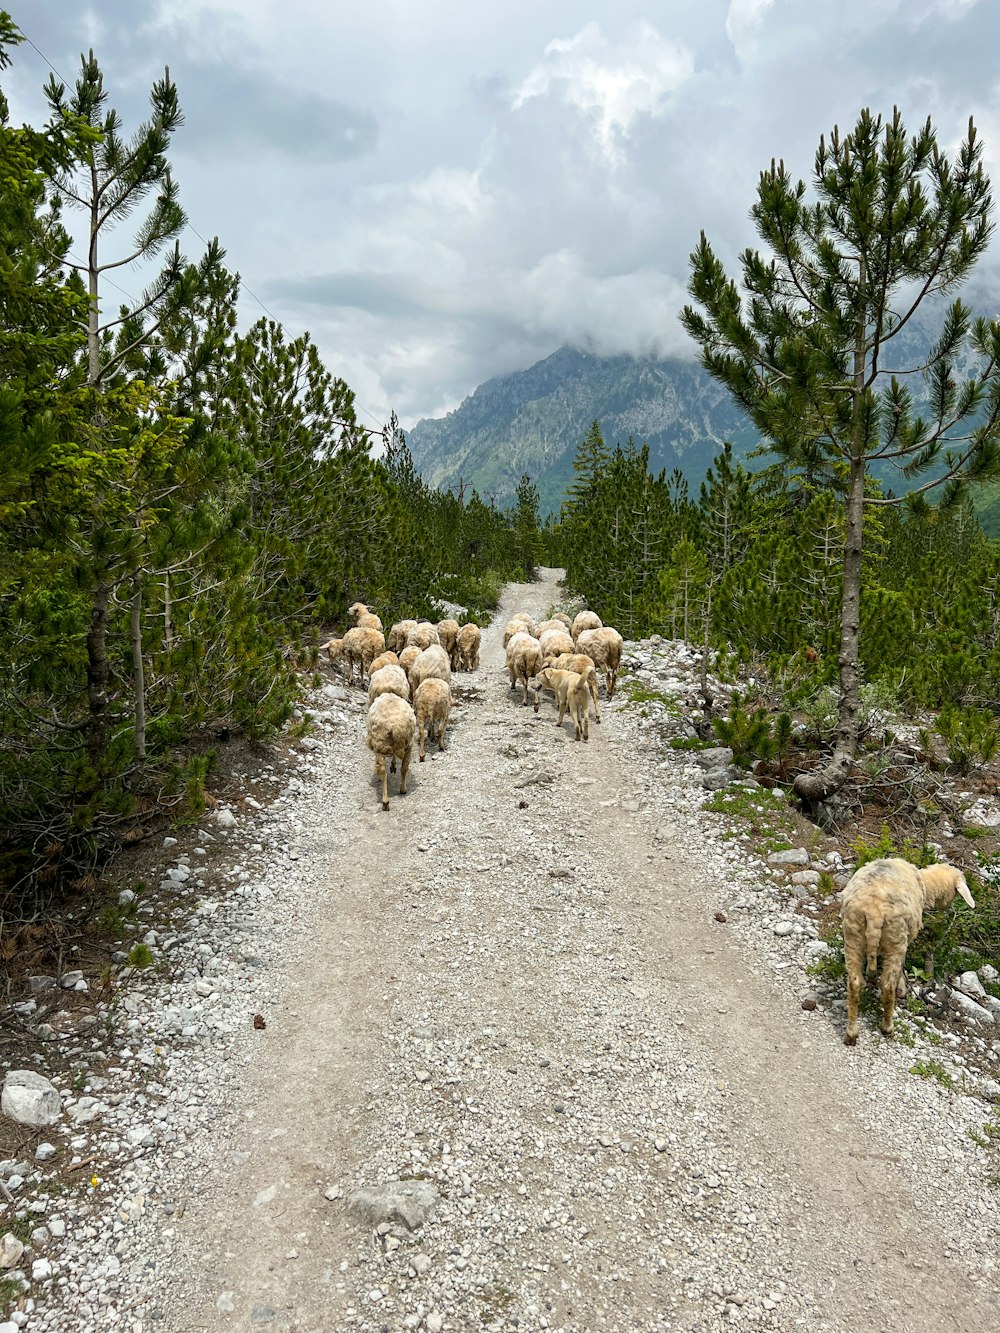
(41, 1270)
(11, 1250)
(30, 1099)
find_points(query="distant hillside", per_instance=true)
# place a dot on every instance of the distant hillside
(534, 421)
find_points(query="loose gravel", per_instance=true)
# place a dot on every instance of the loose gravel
(490, 1061)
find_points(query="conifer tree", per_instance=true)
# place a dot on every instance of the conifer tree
(809, 353)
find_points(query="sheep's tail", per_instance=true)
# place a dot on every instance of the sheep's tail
(873, 938)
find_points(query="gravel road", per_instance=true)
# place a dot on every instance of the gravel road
(511, 990)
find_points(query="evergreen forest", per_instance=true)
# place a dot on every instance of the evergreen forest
(188, 500)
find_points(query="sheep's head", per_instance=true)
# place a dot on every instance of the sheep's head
(358, 609)
(941, 883)
(335, 648)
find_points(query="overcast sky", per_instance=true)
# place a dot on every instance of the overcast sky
(442, 191)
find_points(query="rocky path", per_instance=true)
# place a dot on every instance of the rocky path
(510, 991)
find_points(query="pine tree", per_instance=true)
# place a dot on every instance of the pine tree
(895, 222)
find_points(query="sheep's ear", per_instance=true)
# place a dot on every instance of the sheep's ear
(963, 889)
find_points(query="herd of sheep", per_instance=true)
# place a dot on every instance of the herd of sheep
(409, 698)
(409, 682)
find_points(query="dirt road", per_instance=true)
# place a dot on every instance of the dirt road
(515, 993)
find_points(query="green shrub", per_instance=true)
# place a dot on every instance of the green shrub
(970, 734)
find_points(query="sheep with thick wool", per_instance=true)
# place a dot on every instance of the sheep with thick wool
(585, 620)
(423, 635)
(388, 680)
(604, 647)
(882, 908)
(361, 646)
(383, 659)
(392, 726)
(524, 660)
(399, 633)
(364, 618)
(555, 641)
(583, 666)
(448, 639)
(571, 693)
(432, 705)
(469, 641)
(432, 664)
(520, 624)
(408, 656)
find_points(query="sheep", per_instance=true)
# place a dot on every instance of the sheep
(551, 623)
(604, 647)
(423, 635)
(524, 660)
(388, 680)
(399, 633)
(583, 666)
(469, 639)
(335, 649)
(555, 641)
(518, 625)
(431, 664)
(383, 659)
(882, 910)
(563, 619)
(392, 726)
(432, 704)
(448, 638)
(585, 620)
(363, 618)
(362, 645)
(570, 689)
(408, 656)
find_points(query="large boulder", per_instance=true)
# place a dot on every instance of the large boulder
(30, 1099)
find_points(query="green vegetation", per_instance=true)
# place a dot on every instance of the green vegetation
(933, 1069)
(188, 502)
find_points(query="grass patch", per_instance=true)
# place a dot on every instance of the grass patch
(760, 815)
(690, 743)
(933, 1069)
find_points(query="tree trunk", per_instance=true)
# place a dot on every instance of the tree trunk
(97, 672)
(138, 669)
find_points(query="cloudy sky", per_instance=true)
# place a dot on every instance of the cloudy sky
(442, 191)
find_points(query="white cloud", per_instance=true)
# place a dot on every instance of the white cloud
(744, 19)
(614, 85)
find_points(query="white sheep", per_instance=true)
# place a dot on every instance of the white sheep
(432, 664)
(392, 726)
(519, 624)
(469, 640)
(362, 645)
(399, 633)
(432, 705)
(563, 619)
(423, 635)
(388, 680)
(524, 660)
(585, 620)
(364, 618)
(882, 909)
(583, 666)
(408, 656)
(448, 639)
(383, 659)
(604, 647)
(555, 641)
(570, 689)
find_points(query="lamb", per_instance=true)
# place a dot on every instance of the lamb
(392, 725)
(882, 911)
(469, 639)
(524, 660)
(448, 638)
(432, 664)
(571, 692)
(555, 641)
(423, 636)
(604, 647)
(388, 680)
(384, 659)
(362, 645)
(399, 633)
(583, 666)
(432, 704)
(585, 620)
